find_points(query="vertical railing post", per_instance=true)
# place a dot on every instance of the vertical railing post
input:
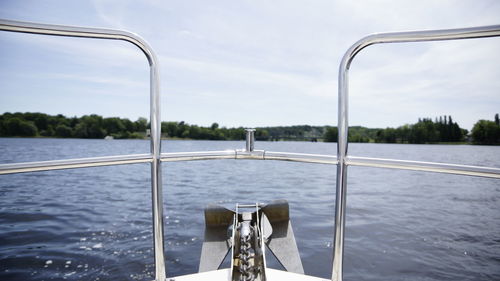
(156, 175)
(341, 189)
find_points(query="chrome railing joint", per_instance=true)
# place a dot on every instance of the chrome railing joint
(250, 154)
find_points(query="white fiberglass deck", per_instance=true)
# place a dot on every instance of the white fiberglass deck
(225, 274)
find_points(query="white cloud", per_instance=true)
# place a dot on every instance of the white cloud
(284, 55)
(454, 78)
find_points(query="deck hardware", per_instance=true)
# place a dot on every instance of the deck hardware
(250, 139)
(264, 224)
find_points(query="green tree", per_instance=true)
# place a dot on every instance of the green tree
(49, 132)
(141, 124)
(113, 126)
(63, 131)
(261, 134)
(403, 133)
(170, 128)
(129, 125)
(18, 127)
(358, 138)
(388, 135)
(90, 126)
(194, 132)
(424, 131)
(81, 131)
(331, 135)
(486, 132)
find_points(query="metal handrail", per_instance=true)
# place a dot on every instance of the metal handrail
(445, 168)
(13, 168)
(343, 120)
(468, 170)
(155, 118)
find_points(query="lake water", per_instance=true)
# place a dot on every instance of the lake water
(95, 223)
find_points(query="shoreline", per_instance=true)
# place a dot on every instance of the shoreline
(190, 139)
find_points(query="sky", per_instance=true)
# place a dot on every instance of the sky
(253, 63)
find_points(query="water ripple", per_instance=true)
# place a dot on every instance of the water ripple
(95, 223)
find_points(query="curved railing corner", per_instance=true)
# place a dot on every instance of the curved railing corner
(343, 120)
(155, 119)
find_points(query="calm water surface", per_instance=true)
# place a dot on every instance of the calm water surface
(95, 223)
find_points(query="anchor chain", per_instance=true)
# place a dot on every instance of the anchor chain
(245, 268)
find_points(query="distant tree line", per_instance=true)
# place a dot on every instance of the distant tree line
(442, 129)
(291, 133)
(183, 130)
(356, 134)
(426, 130)
(88, 126)
(96, 127)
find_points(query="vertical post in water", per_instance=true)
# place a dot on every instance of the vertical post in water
(250, 140)
(156, 176)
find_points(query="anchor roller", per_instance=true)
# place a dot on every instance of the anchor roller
(246, 232)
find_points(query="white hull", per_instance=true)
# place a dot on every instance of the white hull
(225, 275)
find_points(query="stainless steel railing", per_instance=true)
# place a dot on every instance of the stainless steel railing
(155, 120)
(466, 170)
(342, 160)
(343, 122)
